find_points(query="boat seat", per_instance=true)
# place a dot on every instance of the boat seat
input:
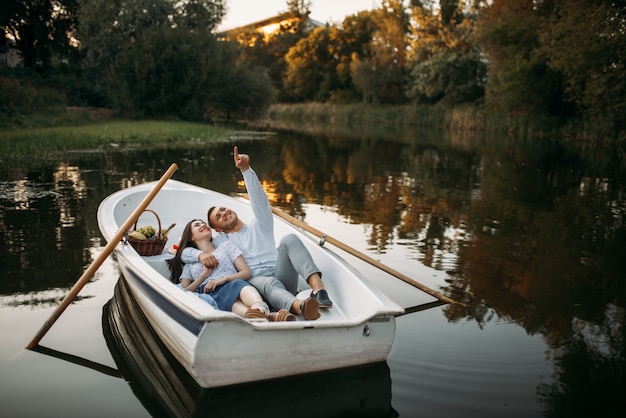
(159, 263)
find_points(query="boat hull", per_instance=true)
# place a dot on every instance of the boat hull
(166, 389)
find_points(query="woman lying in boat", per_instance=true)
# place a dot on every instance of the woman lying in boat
(227, 283)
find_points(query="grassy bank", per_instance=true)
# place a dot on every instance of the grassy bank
(467, 120)
(19, 143)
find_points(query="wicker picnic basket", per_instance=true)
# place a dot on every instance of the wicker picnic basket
(150, 246)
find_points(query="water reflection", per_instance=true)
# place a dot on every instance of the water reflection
(530, 232)
(589, 365)
(166, 389)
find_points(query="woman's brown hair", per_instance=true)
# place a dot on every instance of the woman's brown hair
(176, 264)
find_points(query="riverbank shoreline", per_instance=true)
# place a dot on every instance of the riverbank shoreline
(462, 120)
(359, 119)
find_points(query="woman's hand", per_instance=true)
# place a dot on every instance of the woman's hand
(214, 284)
(206, 272)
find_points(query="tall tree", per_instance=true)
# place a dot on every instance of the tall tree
(299, 7)
(270, 50)
(351, 42)
(108, 29)
(311, 73)
(381, 77)
(203, 15)
(318, 66)
(585, 40)
(445, 63)
(40, 29)
(520, 79)
(192, 77)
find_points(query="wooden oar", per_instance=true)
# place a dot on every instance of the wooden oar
(108, 249)
(362, 256)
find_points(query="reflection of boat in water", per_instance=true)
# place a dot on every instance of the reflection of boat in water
(358, 330)
(165, 388)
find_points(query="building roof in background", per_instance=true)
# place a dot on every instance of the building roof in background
(272, 24)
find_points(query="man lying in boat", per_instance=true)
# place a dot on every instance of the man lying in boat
(226, 283)
(274, 270)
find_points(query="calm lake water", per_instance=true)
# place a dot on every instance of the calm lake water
(529, 233)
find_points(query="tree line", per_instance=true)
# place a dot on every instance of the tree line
(165, 58)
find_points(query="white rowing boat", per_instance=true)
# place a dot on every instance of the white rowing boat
(165, 388)
(220, 348)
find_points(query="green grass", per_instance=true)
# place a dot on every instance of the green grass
(41, 142)
(465, 119)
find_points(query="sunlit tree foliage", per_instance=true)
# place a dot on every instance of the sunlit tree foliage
(380, 78)
(445, 63)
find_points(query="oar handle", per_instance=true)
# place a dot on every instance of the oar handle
(108, 249)
(362, 256)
